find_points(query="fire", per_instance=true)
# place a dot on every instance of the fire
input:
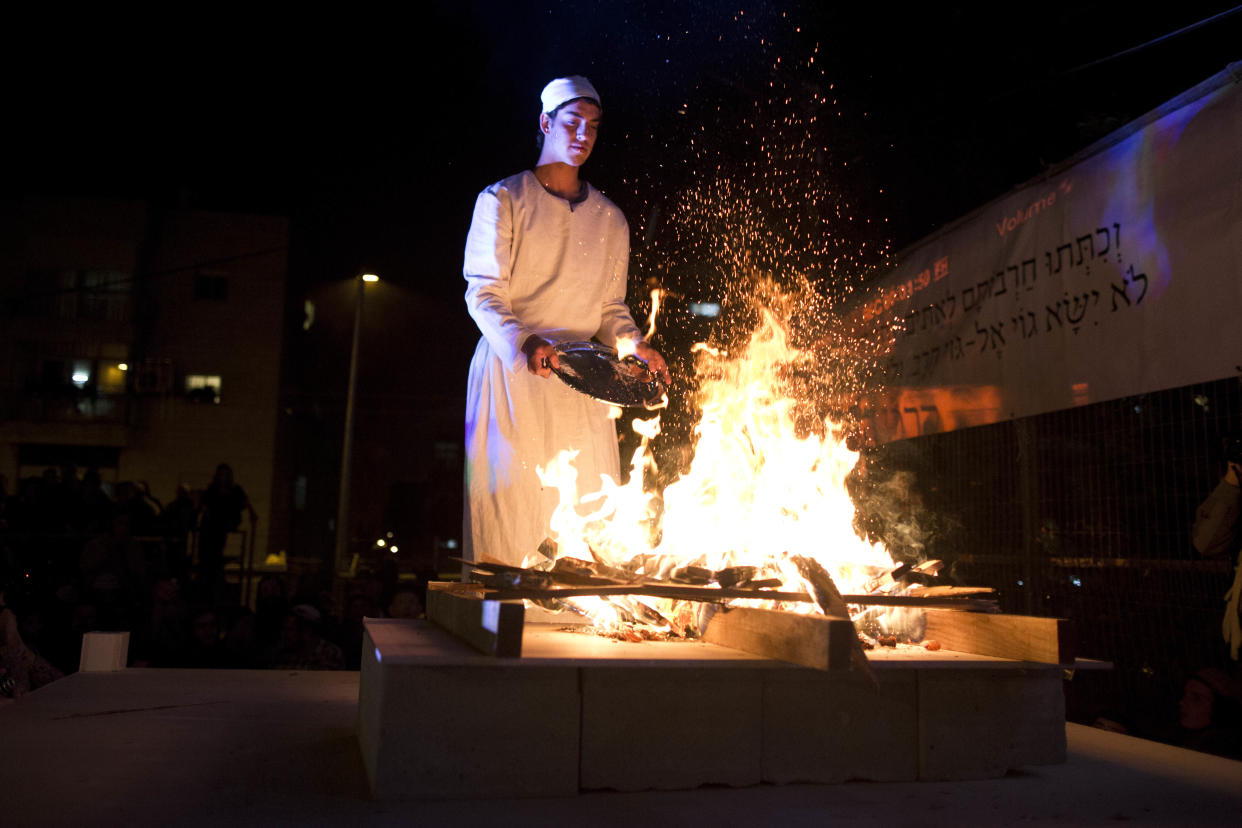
(759, 490)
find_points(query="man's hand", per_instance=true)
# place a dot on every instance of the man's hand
(1233, 475)
(654, 361)
(540, 356)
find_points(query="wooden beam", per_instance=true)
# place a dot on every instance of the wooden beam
(829, 599)
(810, 640)
(491, 627)
(1019, 637)
(974, 601)
(660, 590)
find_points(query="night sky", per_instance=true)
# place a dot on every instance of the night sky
(374, 132)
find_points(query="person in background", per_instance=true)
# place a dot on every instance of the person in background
(205, 647)
(1210, 713)
(302, 645)
(96, 507)
(406, 603)
(161, 633)
(176, 523)
(1218, 531)
(221, 509)
(21, 668)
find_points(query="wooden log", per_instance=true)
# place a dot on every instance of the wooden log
(505, 590)
(950, 591)
(1019, 637)
(829, 599)
(660, 590)
(492, 627)
(537, 584)
(810, 640)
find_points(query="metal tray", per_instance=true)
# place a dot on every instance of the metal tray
(597, 371)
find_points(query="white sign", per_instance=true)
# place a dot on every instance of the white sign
(1118, 275)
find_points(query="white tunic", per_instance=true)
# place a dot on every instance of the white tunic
(535, 264)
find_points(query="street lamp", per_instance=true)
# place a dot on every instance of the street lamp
(342, 507)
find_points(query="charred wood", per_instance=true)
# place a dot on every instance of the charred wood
(695, 575)
(736, 575)
(830, 601)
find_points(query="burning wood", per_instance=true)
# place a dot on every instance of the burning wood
(474, 613)
(831, 602)
(569, 580)
(818, 641)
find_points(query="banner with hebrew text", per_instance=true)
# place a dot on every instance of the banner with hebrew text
(1120, 274)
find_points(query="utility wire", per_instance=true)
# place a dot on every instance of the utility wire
(1064, 73)
(1206, 21)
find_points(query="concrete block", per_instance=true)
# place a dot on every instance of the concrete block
(980, 723)
(437, 719)
(460, 725)
(824, 727)
(650, 727)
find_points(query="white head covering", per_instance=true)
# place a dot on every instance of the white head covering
(566, 89)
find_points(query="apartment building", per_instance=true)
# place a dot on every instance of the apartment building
(144, 342)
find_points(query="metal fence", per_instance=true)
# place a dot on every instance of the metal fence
(1086, 514)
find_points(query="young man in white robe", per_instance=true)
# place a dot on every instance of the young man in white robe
(546, 262)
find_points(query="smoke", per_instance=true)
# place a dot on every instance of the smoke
(892, 507)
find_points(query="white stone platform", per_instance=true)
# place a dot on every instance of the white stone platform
(577, 712)
(191, 748)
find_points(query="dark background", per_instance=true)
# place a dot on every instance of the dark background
(373, 132)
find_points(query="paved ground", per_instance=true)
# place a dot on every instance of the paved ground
(202, 747)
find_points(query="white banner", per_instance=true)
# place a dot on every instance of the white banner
(1118, 275)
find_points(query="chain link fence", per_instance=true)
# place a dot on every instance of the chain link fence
(1084, 514)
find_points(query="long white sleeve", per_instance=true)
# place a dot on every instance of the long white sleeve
(487, 268)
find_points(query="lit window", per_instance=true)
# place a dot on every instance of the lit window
(112, 377)
(202, 387)
(81, 372)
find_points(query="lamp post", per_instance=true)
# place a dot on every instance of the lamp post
(342, 507)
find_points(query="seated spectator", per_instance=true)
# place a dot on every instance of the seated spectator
(1211, 714)
(1217, 532)
(406, 603)
(21, 668)
(113, 569)
(132, 501)
(241, 639)
(96, 507)
(271, 606)
(115, 552)
(160, 635)
(176, 522)
(204, 647)
(63, 647)
(302, 647)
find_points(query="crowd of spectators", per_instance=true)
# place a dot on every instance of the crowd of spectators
(76, 558)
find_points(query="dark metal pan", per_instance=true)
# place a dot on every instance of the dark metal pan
(597, 371)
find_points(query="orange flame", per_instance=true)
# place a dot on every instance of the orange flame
(757, 491)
